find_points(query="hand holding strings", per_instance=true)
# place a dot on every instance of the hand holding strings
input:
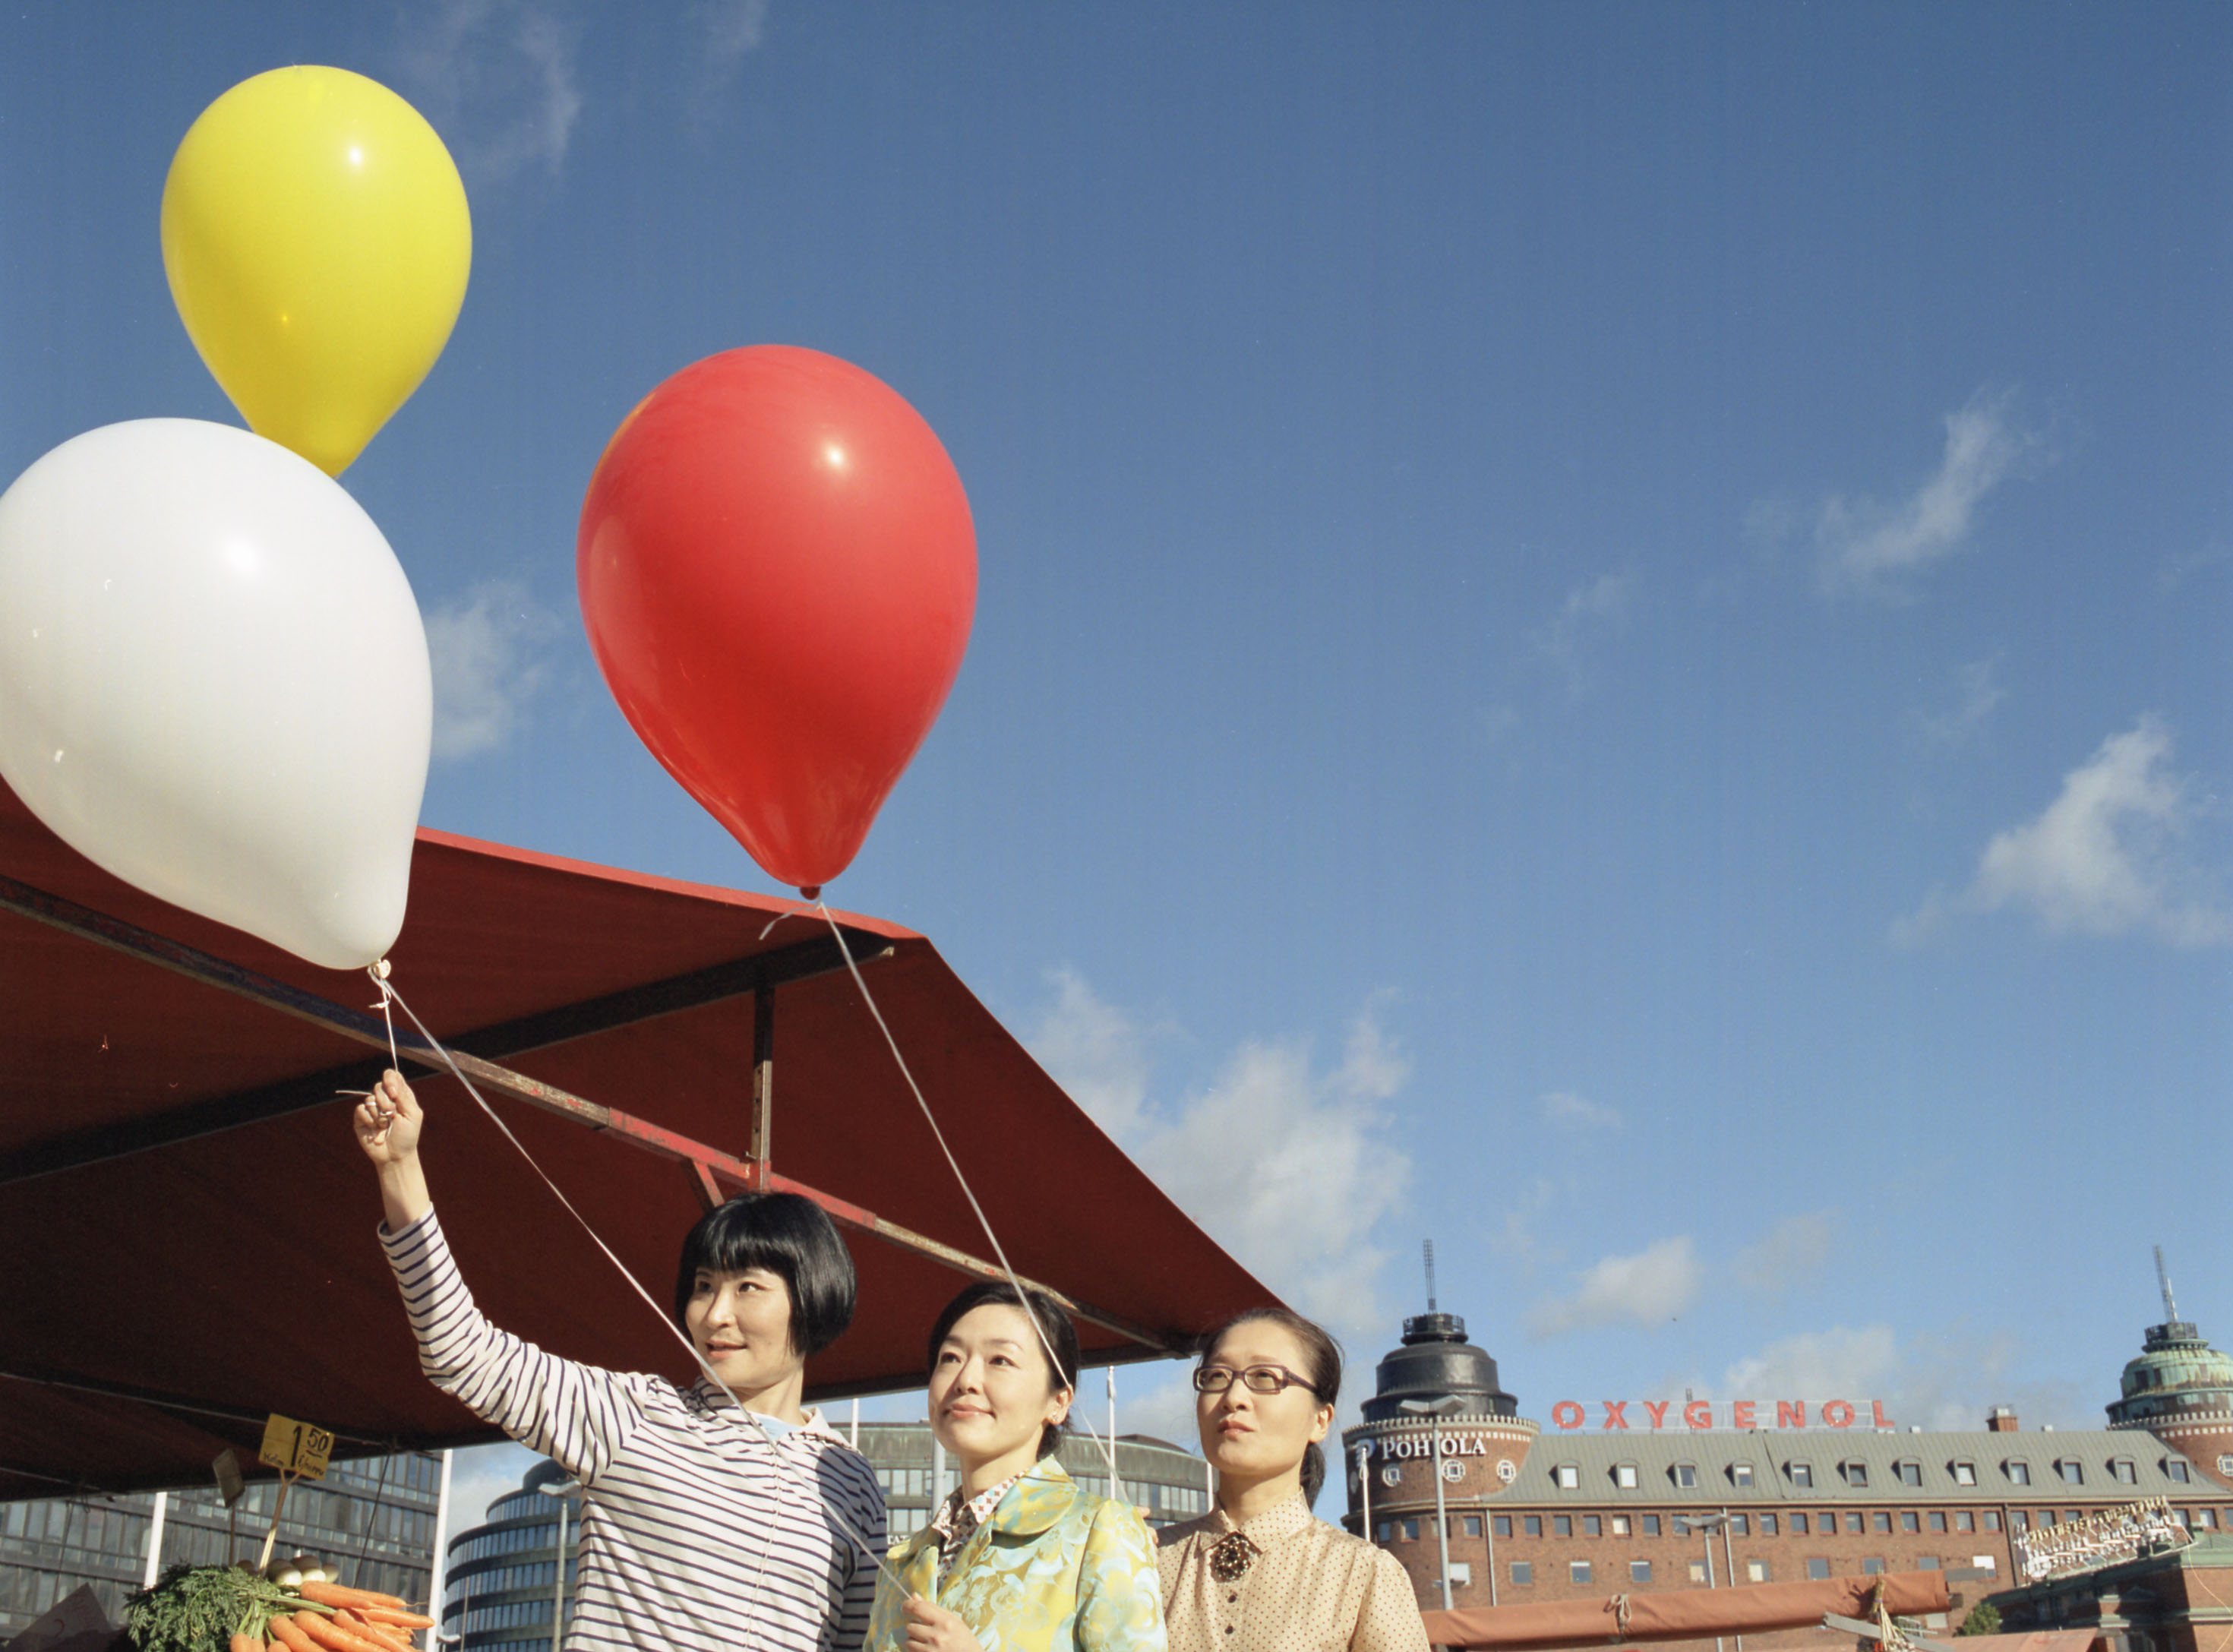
(388, 1122)
(931, 1628)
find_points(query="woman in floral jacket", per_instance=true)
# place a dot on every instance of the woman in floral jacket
(1018, 1560)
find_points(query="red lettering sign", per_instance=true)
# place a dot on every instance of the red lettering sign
(1566, 1414)
(1791, 1414)
(1616, 1414)
(1836, 1414)
(1741, 1415)
(1656, 1409)
(1698, 1414)
(1875, 1408)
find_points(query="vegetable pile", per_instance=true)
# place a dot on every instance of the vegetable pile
(227, 1609)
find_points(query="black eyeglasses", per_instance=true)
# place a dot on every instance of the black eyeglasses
(1258, 1379)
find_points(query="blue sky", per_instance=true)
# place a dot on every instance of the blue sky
(1601, 631)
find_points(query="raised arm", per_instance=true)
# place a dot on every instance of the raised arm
(387, 1123)
(576, 1414)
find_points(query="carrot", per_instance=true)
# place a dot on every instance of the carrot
(290, 1638)
(334, 1637)
(394, 1616)
(334, 1594)
(378, 1633)
(247, 1643)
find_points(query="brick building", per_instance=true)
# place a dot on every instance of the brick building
(1680, 1495)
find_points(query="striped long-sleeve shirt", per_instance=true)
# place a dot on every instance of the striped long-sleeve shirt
(697, 1532)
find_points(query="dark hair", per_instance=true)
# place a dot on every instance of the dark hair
(1054, 1325)
(790, 1236)
(1321, 1371)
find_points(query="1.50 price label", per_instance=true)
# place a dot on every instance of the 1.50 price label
(294, 1448)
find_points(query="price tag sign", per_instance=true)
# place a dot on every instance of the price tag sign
(227, 1469)
(296, 1447)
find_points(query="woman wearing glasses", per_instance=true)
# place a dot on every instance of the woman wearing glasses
(1260, 1572)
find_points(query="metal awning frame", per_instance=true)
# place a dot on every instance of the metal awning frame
(710, 1170)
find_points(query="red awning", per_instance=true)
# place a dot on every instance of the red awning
(1684, 1614)
(188, 1226)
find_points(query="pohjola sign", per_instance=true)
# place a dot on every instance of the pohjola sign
(1741, 1414)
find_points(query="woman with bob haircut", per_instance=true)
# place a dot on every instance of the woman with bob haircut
(1017, 1557)
(1260, 1572)
(700, 1528)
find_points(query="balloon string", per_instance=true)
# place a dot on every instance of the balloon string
(954, 1164)
(837, 1517)
(790, 911)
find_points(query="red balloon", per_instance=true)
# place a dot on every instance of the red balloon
(778, 571)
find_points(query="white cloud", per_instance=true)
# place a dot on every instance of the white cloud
(1865, 542)
(1793, 1252)
(1655, 1285)
(730, 28)
(1944, 1380)
(1837, 1363)
(1287, 1166)
(2106, 857)
(489, 659)
(1980, 696)
(1589, 611)
(1565, 1108)
(480, 1474)
(498, 79)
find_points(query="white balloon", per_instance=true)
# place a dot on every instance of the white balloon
(214, 681)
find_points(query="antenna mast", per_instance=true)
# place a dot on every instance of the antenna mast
(2163, 1279)
(1430, 1274)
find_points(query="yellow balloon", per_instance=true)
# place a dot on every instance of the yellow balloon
(317, 236)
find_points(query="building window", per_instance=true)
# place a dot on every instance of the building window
(1697, 1572)
(1938, 1520)
(1818, 1569)
(1623, 1475)
(1503, 1525)
(1767, 1525)
(1908, 1474)
(1855, 1474)
(1523, 1572)
(1740, 1473)
(1964, 1521)
(1592, 1526)
(2019, 1472)
(2175, 1468)
(2208, 1515)
(1410, 1531)
(2121, 1471)
(1801, 1474)
(1620, 1526)
(1756, 1571)
(1740, 1525)
(1473, 1525)
(1927, 1563)
(1686, 1476)
(1798, 1526)
(1879, 1521)
(1965, 1473)
(1532, 1524)
(2072, 1472)
(1639, 1571)
(1382, 1531)
(2225, 1465)
(1578, 1572)
(1853, 1521)
(1562, 1526)
(1569, 1477)
(1992, 1520)
(2018, 1520)
(1873, 1567)
(1908, 1522)
(1650, 1526)
(2072, 1514)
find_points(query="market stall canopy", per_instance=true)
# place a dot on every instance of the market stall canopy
(1685, 1614)
(188, 1224)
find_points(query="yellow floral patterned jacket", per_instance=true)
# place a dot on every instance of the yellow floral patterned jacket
(1053, 1570)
